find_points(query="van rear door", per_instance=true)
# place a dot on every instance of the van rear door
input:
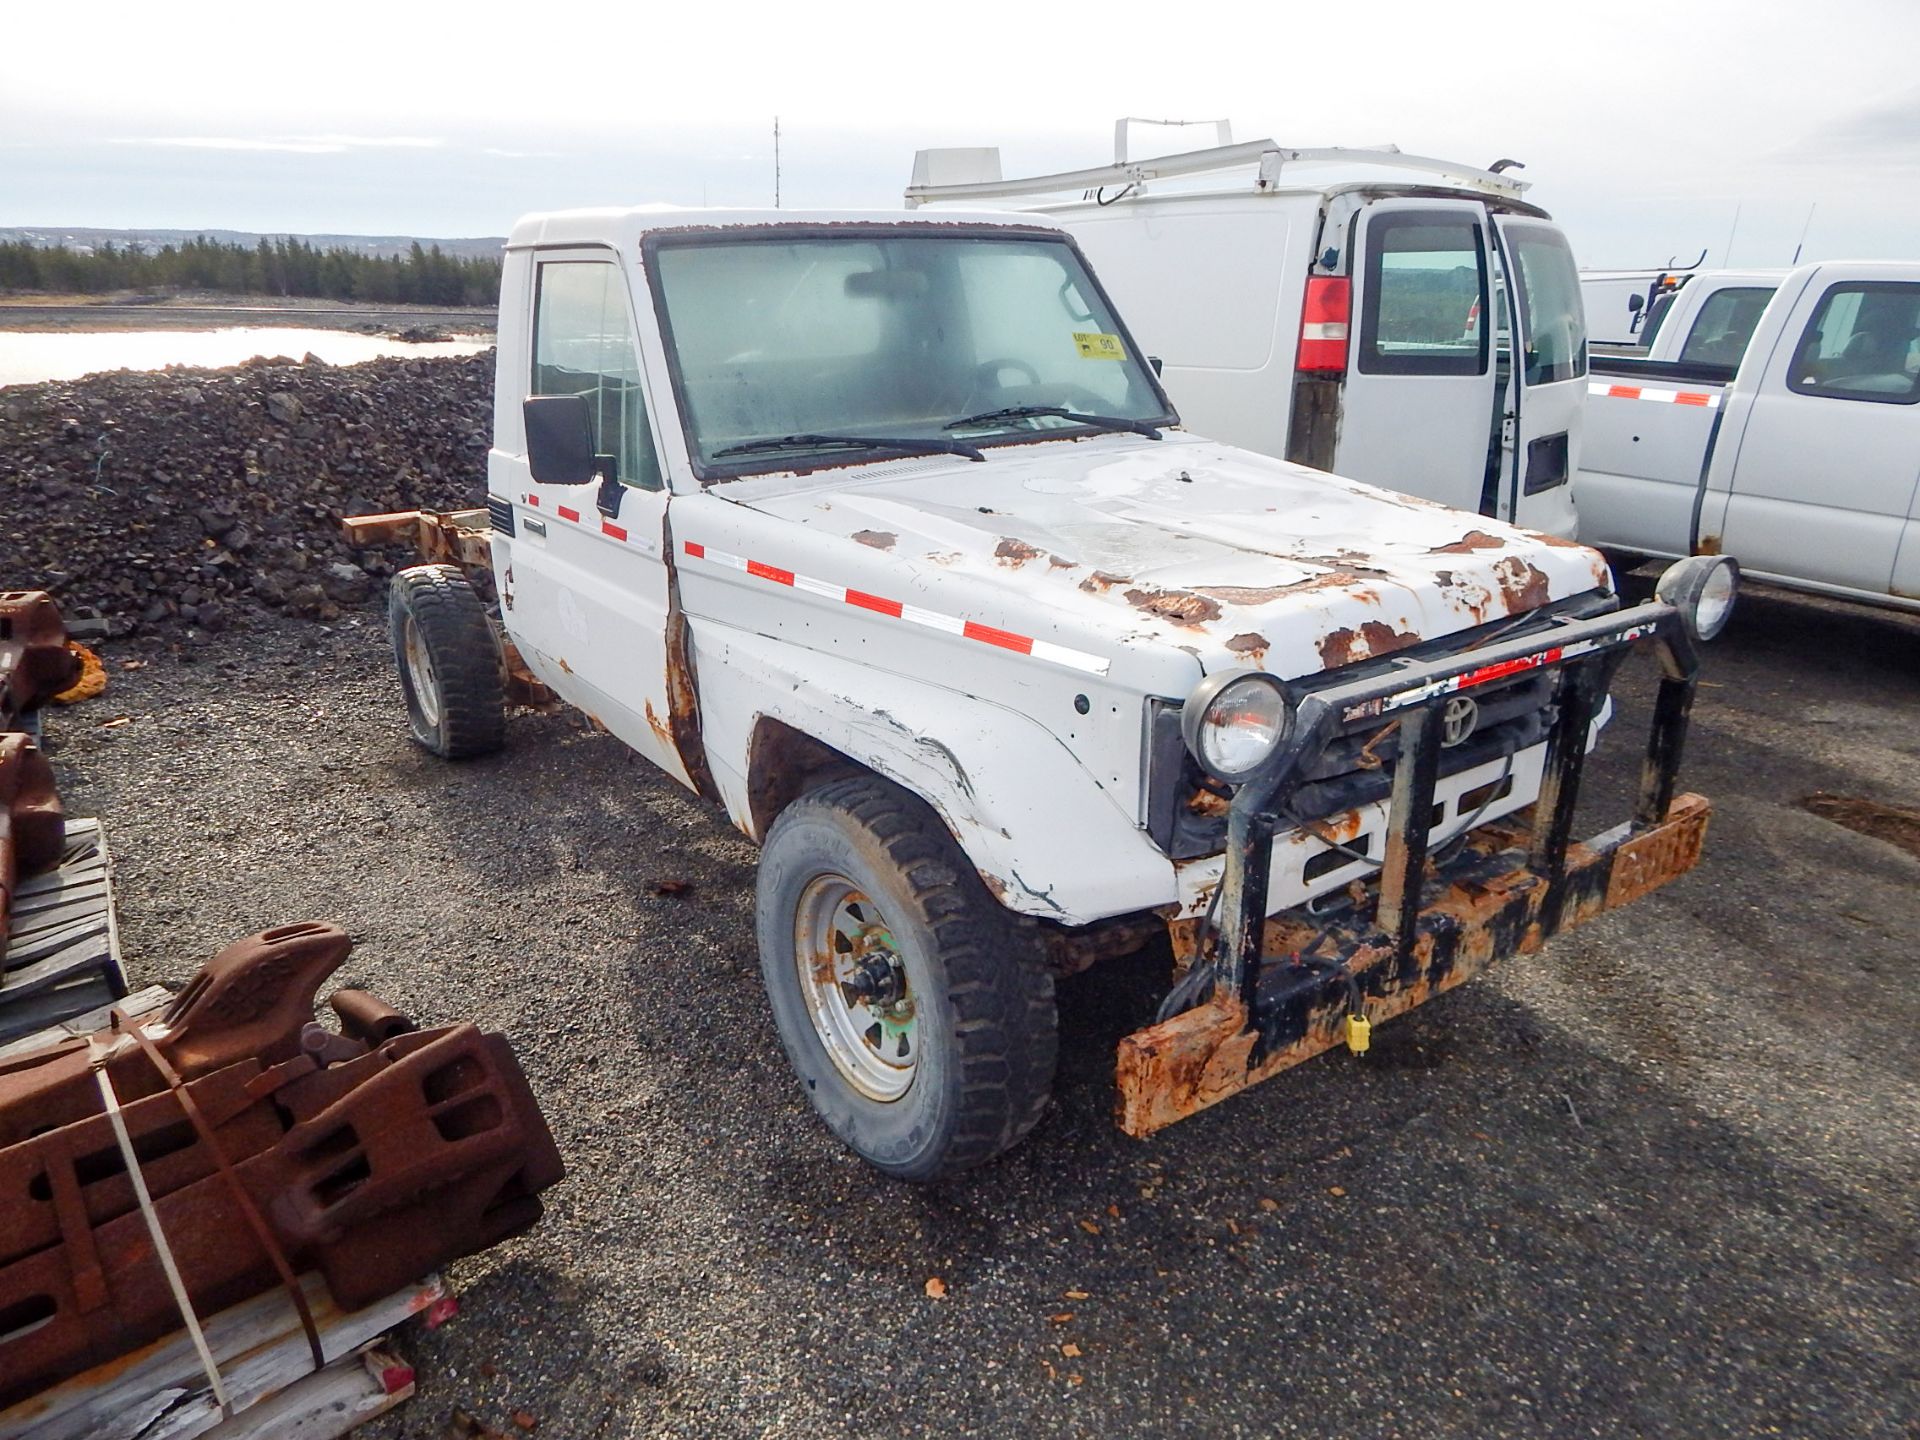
(1547, 389)
(1418, 399)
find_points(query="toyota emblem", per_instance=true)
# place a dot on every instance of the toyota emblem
(1457, 721)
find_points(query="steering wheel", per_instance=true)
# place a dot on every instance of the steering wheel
(986, 378)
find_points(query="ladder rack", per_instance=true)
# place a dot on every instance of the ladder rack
(1267, 157)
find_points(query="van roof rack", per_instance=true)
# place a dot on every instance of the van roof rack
(974, 173)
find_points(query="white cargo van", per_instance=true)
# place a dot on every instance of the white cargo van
(1355, 325)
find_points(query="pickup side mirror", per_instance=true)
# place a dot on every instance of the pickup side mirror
(559, 439)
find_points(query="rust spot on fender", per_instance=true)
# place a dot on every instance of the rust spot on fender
(1468, 543)
(1709, 545)
(1015, 552)
(1183, 607)
(1253, 646)
(1101, 581)
(1060, 562)
(1376, 637)
(1522, 586)
(878, 539)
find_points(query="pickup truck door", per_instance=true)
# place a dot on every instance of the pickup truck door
(1547, 387)
(1823, 478)
(586, 595)
(1418, 401)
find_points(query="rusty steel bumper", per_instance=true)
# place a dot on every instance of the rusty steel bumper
(1279, 989)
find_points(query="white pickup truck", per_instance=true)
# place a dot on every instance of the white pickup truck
(1343, 307)
(1802, 463)
(878, 531)
(1704, 317)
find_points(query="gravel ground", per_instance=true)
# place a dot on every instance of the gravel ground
(1659, 1181)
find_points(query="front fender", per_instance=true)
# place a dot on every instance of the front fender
(1044, 835)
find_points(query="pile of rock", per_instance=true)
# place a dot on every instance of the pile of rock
(185, 496)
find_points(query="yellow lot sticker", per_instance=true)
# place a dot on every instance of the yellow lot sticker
(1098, 345)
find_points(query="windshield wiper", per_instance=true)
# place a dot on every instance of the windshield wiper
(909, 445)
(1022, 412)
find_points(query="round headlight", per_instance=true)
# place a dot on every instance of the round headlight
(1702, 588)
(1233, 721)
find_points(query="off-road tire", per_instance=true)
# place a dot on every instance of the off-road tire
(464, 713)
(988, 1031)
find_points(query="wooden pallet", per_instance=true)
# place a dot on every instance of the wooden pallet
(62, 949)
(160, 1391)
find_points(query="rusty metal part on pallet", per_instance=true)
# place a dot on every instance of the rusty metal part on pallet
(32, 822)
(1485, 908)
(373, 1157)
(35, 662)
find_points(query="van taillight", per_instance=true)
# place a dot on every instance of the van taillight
(1323, 324)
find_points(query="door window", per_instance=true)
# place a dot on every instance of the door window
(583, 344)
(1725, 324)
(1549, 286)
(1862, 344)
(1425, 308)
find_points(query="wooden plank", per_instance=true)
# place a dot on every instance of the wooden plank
(159, 1392)
(326, 1405)
(141, 1002)
(32, 1012)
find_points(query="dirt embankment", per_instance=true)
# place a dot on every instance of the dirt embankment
(187, 497)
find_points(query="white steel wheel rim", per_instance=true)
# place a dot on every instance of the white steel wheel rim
(426, 685)
(838, 932)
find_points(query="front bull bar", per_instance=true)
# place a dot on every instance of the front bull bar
(1284, 986)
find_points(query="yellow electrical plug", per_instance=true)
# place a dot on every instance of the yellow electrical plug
(1359, 1033)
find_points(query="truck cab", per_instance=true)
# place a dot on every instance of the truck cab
(1410, 322)
(880, 533)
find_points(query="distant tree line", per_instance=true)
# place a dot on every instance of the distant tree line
(289, 267)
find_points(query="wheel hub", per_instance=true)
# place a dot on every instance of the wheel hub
(854, 980)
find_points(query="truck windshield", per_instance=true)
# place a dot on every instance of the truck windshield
(1556, 323)
(898, 335)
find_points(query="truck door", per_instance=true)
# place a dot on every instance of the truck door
(1823, 480)
(1419, 391)
(586, 593)
(1547, 387)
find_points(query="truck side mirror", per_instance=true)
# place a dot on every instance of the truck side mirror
(559, 439)
(1634, 301)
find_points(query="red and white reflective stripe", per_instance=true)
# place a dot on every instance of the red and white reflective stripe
(1500, 670)
(567, 512)
(900, 610)
(1706, 398)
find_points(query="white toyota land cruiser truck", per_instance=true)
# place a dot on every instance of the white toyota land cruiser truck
(878, 531)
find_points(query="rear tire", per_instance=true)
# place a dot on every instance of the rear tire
(951, 1062)
(449, 662)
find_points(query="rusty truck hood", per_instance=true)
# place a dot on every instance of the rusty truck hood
(1232, 556)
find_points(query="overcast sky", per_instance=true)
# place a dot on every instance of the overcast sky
(1643, 127)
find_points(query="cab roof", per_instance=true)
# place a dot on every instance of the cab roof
(624, 227)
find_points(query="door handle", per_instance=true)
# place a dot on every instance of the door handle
(535, 527)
